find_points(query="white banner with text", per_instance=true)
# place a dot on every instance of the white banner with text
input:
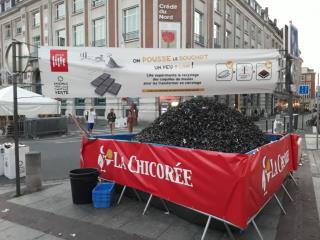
(150, 72)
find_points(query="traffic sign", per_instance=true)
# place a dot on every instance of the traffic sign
(304, 89)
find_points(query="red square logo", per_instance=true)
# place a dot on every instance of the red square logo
(59, 60)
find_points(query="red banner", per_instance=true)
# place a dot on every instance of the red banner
(233, 187)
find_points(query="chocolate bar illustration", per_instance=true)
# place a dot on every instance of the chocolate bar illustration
(104, 83)
(99, 80)
(105, 76)
(103, 88)
(114, 88)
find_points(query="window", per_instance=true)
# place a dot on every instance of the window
(131, 23)
(18, 27)
(217, 5)
(60, 10)
(245, 44)
(198, 27)
(100, 112)
(238, 19)
(77, 6)
(253, 4)
(100, 101)
(7, 5)
(237, 45)
(36, 19)
(253, 32)
(61, 37)
(96, 3)
(246, 26)
(79, 112)
(259, 38)
(258, 9)
(79, 102)
(78, 35)
(63, 102)
(36, 40)
(99, 32)
(228, 39)
(228, 12)
(7, 31)
(216, 35)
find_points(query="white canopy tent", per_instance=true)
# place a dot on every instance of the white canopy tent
(30, 104)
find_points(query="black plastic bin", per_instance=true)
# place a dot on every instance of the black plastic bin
(83, 181)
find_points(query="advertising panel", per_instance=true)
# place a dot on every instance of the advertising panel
(138, 72)
(229, 186)
(293, 41)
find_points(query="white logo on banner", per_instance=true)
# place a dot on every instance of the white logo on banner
(272, 168)
(174, 174)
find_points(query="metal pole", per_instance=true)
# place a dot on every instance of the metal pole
(206, 228)
(288, 81)
(266, 125)
(302, 114)
(257, 229)
(317, 114)
(147, 205)
(15, 117)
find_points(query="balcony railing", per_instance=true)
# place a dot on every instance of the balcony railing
(128, 36)
(198, 38)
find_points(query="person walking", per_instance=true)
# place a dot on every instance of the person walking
(136, 111)
(111, 117)
(91, 118)
(130, 119)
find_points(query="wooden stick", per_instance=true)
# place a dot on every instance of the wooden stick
(78, 125)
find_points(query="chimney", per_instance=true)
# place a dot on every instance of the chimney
(266, 12)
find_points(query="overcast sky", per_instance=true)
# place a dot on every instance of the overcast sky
(305, 15)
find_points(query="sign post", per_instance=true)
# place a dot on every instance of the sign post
(15, 118)
(17, 58)
(304, 91)
(317, 114)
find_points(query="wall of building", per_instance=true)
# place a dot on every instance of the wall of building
(153, 16)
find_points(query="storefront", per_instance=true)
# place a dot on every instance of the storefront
(166, 102)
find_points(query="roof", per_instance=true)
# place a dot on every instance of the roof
(24, 97)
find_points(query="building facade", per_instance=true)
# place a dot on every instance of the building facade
(137, 23)
(308, 78)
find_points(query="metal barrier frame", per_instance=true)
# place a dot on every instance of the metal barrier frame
(226, 223)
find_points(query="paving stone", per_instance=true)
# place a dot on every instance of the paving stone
(51, 204)
(316, 183)
(146, 226)
(117, 216)
(180, 232)
(60, 190)
(75, 211)
(18, 232)
(47, 237)
(211, 234)
(5, 225)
